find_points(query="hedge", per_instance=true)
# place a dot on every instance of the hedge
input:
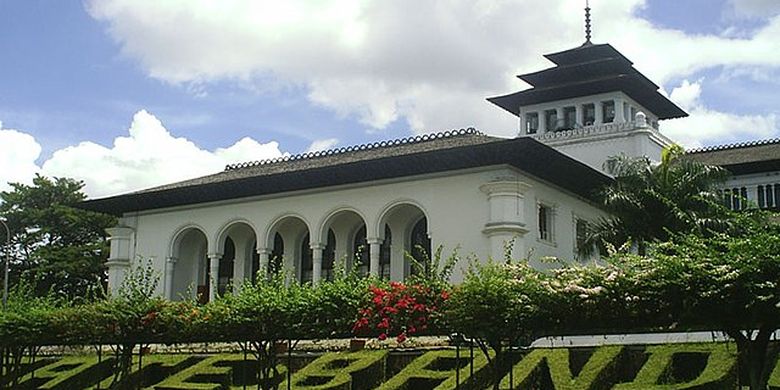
(596, 374)
(362, 370)
(215, 372)
(664, 361)
(436, 370)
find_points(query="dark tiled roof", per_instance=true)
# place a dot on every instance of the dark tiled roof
(393, 159)
(304, 161)
(741, 158)
(584, 71)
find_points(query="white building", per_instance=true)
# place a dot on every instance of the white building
(371, 204)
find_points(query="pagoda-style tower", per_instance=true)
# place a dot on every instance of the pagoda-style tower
(593, 104)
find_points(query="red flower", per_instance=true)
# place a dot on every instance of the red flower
(401, 338)
(382, 337)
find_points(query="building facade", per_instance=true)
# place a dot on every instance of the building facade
(371, 206)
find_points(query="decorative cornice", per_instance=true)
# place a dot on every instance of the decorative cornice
(586, 131)
(493, 228)
(738, 145)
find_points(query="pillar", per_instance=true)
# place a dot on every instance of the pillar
(214, 275)
(170, 266)
(506, 218)
(599, 113)
(580, 114)
(542, 122)
(119, 260)
(558, 117)
(375, 245)
(316, 257)
(264, 257)
(620, 116)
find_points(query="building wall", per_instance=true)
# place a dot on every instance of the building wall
(459, 209)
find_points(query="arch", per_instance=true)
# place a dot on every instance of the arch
(189, 246)
(178, 234)
(402, 219)
(379, 228)
(332, 216)
(337, 232)
(290, 230)
(227, 228)
(276, 223)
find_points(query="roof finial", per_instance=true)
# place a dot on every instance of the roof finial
(587, 21)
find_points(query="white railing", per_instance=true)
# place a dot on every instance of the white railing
(585, 131)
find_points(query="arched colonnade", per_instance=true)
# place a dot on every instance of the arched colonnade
(203, 264)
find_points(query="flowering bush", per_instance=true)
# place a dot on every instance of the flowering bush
(399, 310)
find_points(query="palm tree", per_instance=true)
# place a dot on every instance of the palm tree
(648, 202)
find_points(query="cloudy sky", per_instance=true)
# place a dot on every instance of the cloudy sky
(127, 94)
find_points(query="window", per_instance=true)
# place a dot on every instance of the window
(580, 236)
(761, 199)
(608, 111)
(633, 113)
(361, 251)
(550, 120)
(531, 122)
(545, 222)
(589, 114)
(569, 118)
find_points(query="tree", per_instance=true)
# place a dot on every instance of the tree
(55, 246)
(731, 284)
(648, 202)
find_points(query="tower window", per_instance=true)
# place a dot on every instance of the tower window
(589, 114)
(550, 120)
(569, 118)
(531, 122)
(608, 110)
(545, 222)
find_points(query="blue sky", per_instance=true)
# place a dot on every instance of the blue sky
(87, 87)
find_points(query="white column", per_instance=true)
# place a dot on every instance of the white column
(599, 113)
(580, 115)
(119, 260)
(542, 122)
(170, 267)
(375, 245)
(619, 113)
(264, 255)
(558, 117)
(506, 219)
(316, 257)
(214, 275)
(239, 268)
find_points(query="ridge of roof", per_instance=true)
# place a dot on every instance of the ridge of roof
(359, 147)
(736, 145)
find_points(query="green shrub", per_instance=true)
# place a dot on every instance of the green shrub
(437, 370)
(658, 372)
(216, 372)
(597, 374)
(342, 371)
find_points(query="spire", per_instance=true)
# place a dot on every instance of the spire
(587, 22)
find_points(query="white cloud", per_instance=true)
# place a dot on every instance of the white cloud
(148, 156)
(322, 144)
(18, 152)
(706, 126)
(430, 63)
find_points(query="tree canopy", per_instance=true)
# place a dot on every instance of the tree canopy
(54, 246)
(648, 202)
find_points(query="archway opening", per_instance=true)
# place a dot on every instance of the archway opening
(404, 231)
(290, 251)
(190, 271)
